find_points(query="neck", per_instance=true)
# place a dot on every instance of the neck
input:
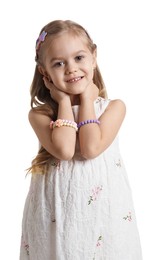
(75, 100)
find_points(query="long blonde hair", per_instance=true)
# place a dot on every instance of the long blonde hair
(41, 99)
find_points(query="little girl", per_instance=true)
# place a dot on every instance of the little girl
(79, 206)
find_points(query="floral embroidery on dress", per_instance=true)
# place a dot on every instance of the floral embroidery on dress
(128, 217)
(99, 241)
(98, 245)
(98, 100)
(55, 163)
(95, 192)
(25, 245)
(118, 163)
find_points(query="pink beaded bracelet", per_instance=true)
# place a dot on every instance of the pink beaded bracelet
(96, 121)
(63, 122)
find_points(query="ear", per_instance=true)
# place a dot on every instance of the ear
(43, 72)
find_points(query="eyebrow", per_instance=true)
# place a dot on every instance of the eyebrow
(61, 58)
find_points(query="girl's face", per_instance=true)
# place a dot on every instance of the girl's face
(69, 63)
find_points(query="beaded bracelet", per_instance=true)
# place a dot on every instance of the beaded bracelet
(96, 121)
(63, 122)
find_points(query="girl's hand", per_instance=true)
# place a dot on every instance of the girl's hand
(91, 92)
(55, 93)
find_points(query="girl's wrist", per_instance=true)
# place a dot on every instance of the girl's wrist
(88, 99)
(64, 101)
(65, 109)
(86, 102)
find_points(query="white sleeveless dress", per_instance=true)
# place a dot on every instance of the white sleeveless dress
(81, 209)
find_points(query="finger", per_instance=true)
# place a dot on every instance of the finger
(47, 83)
(45, 80)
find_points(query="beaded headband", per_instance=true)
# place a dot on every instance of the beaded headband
(40, 39)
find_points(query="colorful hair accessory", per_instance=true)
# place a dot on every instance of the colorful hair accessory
(63, 122)
(40, 39)
(96, 121)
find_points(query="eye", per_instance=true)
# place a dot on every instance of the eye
(59, 64)
(79, 57)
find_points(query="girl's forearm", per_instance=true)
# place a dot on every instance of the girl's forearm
(64, 137)
(89, 134)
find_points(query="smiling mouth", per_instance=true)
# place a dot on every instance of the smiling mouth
(74, 79)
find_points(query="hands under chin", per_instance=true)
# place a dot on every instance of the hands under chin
(91, 92)
(55, 93)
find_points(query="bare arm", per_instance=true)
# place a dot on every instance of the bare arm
(95, 138)
(59, 142)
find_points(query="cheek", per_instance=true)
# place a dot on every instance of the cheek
(52, 74)
(91, 65)
(56, 78)
(88, 67)
(91, 71)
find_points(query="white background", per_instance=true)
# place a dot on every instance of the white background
(124, 33)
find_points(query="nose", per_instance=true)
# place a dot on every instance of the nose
(71, 68)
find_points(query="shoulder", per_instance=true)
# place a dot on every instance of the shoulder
(116, 109)
(33, 114)
(36, 118)
(43, 110)
(117, 104)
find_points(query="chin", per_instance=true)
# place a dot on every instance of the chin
(80, 91)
